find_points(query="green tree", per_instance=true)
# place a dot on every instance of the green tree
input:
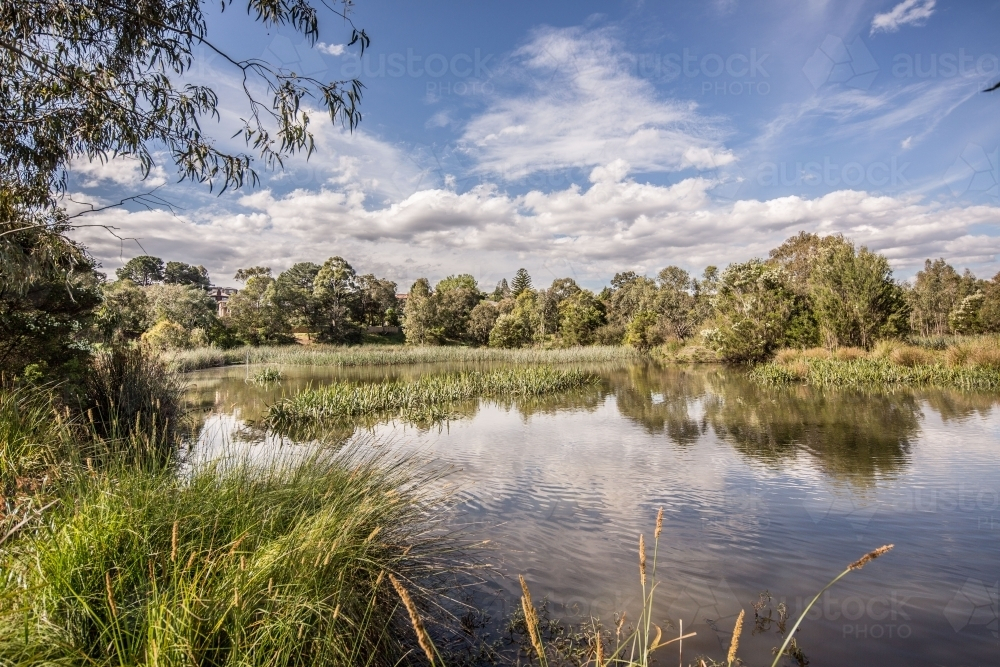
(179, 273)
(580, 316)
(854, 297)
(336, 290)
(751, 308)
(186, 305)
(253, 314)
(481, 321)
(293, 293)
(377, 298)
(143, 270)
(48, 291)
(641, 331)
(124, 314)
(989, 312)
(705, 290)
(521, 282)
(501, 291)
(965, 318)
(99, 79)
(464, 280)
(676, 301)
(453, 305)
(509, 331)
(937, 290)
(420, 316)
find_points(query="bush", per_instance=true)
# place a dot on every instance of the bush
(167, 335)
(752, 308)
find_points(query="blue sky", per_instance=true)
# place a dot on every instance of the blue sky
(581, 139)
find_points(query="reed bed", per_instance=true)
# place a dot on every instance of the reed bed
(973, 364)
(428, 398)
(388, 355)
(232, 564)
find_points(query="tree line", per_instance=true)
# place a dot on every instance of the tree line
(810, 291)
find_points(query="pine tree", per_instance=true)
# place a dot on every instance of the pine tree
(521, 282)
(502, 290)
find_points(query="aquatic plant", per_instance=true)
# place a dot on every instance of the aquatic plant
(388, 355)
(229, 563)
(428, 398)
(266, 376)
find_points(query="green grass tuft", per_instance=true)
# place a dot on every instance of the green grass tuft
(227, 564)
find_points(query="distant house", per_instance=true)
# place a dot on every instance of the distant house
(401, 300)
(221, 296)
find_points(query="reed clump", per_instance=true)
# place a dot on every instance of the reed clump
(226, 564)
(390, 355)
(426, 399)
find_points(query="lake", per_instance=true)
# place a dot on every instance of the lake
(763, 489)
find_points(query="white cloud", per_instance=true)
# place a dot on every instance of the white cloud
(331, 49)
(116, 171)
(611, 224)
(580, 106)
(908, 12)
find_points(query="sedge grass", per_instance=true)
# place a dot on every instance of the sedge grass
(389, 355)
(224, 565)
(35, 438)
(425, 399)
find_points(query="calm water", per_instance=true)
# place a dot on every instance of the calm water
(763, 489)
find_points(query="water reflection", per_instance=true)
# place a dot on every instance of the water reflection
(853, 435)
(763, 488)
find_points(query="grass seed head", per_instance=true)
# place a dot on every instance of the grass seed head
(870, 556)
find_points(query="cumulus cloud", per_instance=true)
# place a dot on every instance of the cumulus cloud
(908, 12)
(609, 224)
(579, 105)
(116, 171)
(331, 49)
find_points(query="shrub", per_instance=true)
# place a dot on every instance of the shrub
(752, 308)
(167, 335)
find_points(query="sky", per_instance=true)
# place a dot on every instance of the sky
(580, 139)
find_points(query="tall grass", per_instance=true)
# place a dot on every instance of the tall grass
(35, 438)
(388, 355)
(425, 399)
(229, 564)
(133, 402)
(973, 364)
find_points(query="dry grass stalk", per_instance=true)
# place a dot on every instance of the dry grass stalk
(659, 524)
(173, 543)
(860, 563)
(599, 649)
(531, 619)
(642, 560)
(111, 596)
(423, 638)
(735, 643)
